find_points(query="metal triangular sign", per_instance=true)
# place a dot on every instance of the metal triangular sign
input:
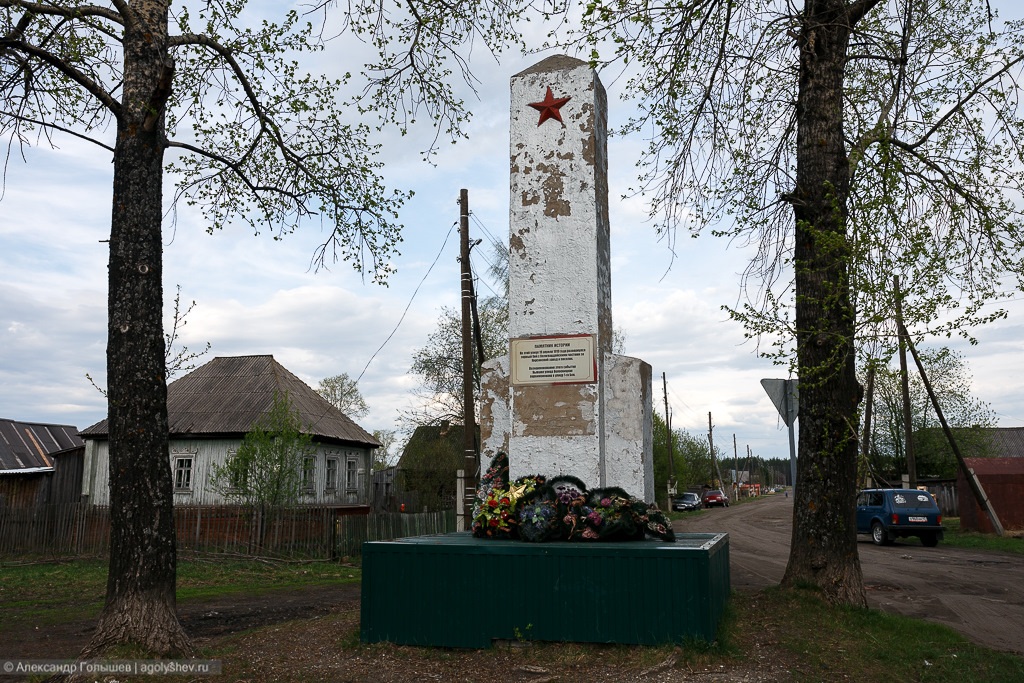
(776, 390)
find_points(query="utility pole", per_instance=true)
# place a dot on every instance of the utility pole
(714, 461)
(972, 479)
(470, 464)
(865, 443)
(908, 427)
(671, 456)
(750, 473)
(735, 469)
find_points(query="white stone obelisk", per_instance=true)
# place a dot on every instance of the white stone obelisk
(562, 402)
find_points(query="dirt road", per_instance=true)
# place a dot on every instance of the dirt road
(979, 594)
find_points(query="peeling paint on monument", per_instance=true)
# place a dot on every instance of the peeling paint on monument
(560, 285)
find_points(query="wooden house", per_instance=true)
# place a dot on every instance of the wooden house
(40, 464)
(211, 409)
(428, 466)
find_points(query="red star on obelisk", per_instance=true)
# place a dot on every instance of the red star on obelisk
(549, 107)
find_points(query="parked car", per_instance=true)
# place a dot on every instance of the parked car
(888, 514)
(686, 501)
(715, 497)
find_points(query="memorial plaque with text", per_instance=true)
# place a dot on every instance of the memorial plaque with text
(554, 360)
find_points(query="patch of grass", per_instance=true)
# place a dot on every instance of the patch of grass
(1012, 542)
(825, 642)
(39, 594)
(683, 515)
(50, 592)
(203, 577)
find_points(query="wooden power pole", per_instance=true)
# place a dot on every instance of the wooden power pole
(735, 469)
(671, 457)
(908, 426)
(471, 466)
(714, 461)
(972, 479)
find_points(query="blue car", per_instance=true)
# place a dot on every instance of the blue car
(888, 514)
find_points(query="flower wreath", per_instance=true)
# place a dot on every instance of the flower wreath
(536, 510)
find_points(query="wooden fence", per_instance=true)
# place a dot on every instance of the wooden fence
(314, 532)
(353, 531)
(945, 497)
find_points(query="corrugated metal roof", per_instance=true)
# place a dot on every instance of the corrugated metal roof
(29, 446)
(992, 442)
(1006, 442)
(228, 394)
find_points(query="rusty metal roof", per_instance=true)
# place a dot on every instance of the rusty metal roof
(30, 446)
(995, 466)
(228, 394)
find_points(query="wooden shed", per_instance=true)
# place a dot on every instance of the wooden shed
(1003, 480)
(40, 464)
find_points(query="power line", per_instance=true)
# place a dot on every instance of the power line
(675, 398)
(480, 280)
(495, 241)
(1009, 416)
(415, 291)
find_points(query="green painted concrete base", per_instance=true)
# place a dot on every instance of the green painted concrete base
(453, 590)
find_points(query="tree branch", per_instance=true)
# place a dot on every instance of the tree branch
(124, 16)
(962, 101)
(71, 72)
(199, 39)
(856, 11)
(56, 127)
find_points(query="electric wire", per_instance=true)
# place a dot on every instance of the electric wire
(676, 398)
(495, 241)
(479, 280)
(408, 305)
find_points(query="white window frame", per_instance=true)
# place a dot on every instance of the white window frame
(183, 467)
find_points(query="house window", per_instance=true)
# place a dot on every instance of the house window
(350, 473)
(332, 474)
(183, 473)
(308, 465)
(238, 476)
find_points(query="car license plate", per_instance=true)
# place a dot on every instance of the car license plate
(918, 519)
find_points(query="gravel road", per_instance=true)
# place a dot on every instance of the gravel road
(980, 594)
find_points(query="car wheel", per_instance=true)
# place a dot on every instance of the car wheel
(929, 540)
(878, 534)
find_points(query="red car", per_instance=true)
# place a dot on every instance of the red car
(715, 497)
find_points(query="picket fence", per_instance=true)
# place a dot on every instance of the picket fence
(313, 532)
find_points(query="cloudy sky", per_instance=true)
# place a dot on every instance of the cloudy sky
(258, 296)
